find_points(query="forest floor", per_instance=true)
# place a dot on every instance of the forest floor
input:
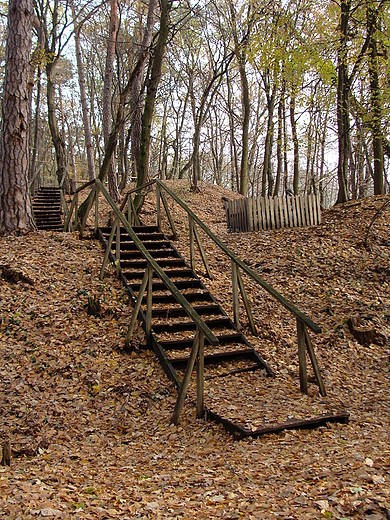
(88, 423)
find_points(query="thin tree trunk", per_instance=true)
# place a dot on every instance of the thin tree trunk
(107, 97)
(296, 145)
(279, 149)
(83, 98)
(376, 103)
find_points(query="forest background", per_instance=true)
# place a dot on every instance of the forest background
(261, 97)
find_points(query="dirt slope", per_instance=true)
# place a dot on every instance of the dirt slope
(89, 424)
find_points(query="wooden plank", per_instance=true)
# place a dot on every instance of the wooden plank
(272, 212)
(137, 308)
(246, 303)
(277, 212)
(202, 252)
(255, 219)
(314, 363)
(294, 211)
(108, 249)
(310, 209)
(249, 213)
(281, 212)
(200, 378)
(302, 206)
(290, 211)
(117, 248)
(236, 310)
(319, 208)
(268, 217)
(285, 209)
(314, 208)
(192, 248)
(149, 301)
(302, 356)
(260, 218)
(307, 210)
(186, 380)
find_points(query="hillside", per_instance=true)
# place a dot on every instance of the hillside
(89, 423)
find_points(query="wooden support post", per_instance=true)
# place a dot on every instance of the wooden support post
(84, 223)
(170, 219)
(314, 362)
(236, 312)
(200, 377)
(186, 379)
(118, 249)
(302, 356)
(129, 214)
(137, 307)
(108, 249)
(69, 215)
(66, 211)
(149, 301)
(246, 303)
(76, 209)
(202, 252)
(192, 248)
(96, 210)
(158, 201)
(135, 218)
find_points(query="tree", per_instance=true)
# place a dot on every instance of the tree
(15, 209)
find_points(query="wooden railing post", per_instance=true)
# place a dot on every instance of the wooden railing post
(96, 210)
(302, 356)
(149, 301)
(108, 248)
(236, 312)
(118, 249)
(246, 303)
(129, 217)
(200, 377)
(158, 201)
(186, 380)
(192, 248)
(137, 307)
(202, 252)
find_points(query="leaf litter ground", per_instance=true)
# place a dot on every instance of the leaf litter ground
(89, 424)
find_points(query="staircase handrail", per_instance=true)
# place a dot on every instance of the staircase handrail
(157, 269)
(273, 292)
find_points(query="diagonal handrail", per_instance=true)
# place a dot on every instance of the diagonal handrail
(157, 269)
(273, 292)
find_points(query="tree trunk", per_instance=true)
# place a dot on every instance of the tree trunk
(136, 104)
(296, 144)
(107, 96)
(376, 103)
(279, 150)
(343, 104)
(83, 98)
(152, 84)
(15, 210)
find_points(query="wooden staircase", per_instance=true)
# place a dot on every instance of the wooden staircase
(47, 209)
(172, 332)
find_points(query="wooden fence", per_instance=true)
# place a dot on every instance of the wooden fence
(263, 213)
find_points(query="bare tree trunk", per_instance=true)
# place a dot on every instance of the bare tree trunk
(376, 102)
(152, 84)
(343, 104)
(296, 144)
(15, 210)
(136, 99)
(107, 97)
(279, 149)
(83, 97)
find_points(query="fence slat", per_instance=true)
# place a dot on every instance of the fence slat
(255, 220)
(272, 212)
(249, 213)
(319, 208)
(277, 217)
